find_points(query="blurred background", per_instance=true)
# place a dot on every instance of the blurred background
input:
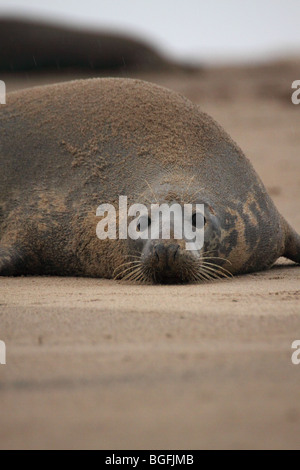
(218, 46)
(193, 30)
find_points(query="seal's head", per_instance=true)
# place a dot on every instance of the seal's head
(175, 240)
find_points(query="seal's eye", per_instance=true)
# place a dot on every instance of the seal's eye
(144, 223)
(198, 220)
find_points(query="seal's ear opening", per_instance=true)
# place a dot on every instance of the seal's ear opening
(292, 245)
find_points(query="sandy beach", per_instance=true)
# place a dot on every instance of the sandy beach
(102, 364)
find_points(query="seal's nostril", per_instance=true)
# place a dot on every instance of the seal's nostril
(176, 251)
(160, 251)
(173, 251)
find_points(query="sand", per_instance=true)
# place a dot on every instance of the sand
(102, 364)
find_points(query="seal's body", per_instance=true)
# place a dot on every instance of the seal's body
(66, 149)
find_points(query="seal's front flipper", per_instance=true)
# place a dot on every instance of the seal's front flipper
(292, 245)
(11, 261)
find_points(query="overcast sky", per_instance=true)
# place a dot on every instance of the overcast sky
(199, 29)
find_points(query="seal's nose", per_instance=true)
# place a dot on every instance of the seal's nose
(165, 255)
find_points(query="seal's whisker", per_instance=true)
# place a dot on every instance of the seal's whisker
(220, 274)
(146, 199)
(208, 275)
(215, 272)
(190, 200)
(129, 262)
(147, 275)
(198, 276)
(206, 263)
(201, 274)
(130, 269)
(213, 257)
(184, 192)
(119, 274)
(131, 274)
(214, 266)
(132, 263)
(139, 277)
(190, 272)
(217, 266)
(201, 277)
(134, 254)
(143, 279)
(155, 196)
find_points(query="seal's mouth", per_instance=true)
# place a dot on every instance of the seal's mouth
(168, 280)
(168, 264)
